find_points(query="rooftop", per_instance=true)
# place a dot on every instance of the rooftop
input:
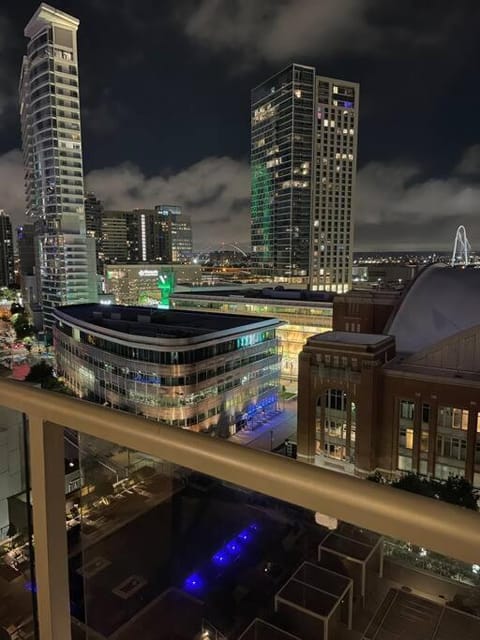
(347, 337)
(46, 14)
(277, 294)
(440, 302)
(147, 322)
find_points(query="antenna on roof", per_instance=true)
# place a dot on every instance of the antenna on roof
(461, 247)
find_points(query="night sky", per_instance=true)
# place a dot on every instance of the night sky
(165, 93)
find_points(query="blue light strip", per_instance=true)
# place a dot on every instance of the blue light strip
(226, 556)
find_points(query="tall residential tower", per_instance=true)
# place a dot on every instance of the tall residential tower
(52, 149)
(304, 151)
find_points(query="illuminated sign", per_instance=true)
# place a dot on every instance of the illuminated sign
(166, 286)
(148, 273)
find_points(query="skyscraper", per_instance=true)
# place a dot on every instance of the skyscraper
(303, 158)
(26, 246)
(177, 233)
(7, 267)
(52, 148)
(93, 221)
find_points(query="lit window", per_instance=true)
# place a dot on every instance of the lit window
(298, 93)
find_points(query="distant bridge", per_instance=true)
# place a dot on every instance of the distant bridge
(461, 248)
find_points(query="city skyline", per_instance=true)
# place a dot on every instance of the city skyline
(417, 178)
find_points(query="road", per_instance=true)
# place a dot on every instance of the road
(273, 432)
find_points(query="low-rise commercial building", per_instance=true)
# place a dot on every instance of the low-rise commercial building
(204, 372)
(149, 285)
(407, 398)
(302, 313)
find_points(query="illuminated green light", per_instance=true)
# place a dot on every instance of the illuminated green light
(261, 203)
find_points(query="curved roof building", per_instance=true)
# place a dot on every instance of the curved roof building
(441, 302)
(207, 372)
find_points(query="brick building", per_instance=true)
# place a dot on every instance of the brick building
(405, 398)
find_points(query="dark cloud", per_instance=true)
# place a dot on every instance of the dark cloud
(12, 198)
(210, 192)
(105, 116)
(398, 208)
(276, 30)
(469, 164)
(279, 30)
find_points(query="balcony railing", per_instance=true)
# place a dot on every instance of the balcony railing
(440, 527)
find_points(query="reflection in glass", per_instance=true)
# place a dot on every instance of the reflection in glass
(160, 551)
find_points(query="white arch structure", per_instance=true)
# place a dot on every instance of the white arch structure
(461, 247)
(221, 247)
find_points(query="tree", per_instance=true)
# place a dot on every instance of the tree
(41, 372)
(414, 483)
(459, 491)
(455, 490)
(22, 326)
(16, 308)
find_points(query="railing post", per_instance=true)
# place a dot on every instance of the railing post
(47, 474)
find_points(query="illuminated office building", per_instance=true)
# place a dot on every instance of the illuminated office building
(303, 158)
(162, 234)
(177, 230)
(52, 150)
(303, 314)
(93, 219)
(198, 371)
(149, 284)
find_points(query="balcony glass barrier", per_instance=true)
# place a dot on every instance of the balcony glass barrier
(159, 551)
(17, 577)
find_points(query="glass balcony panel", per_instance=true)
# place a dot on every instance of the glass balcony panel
(158, 551)
(17, 578)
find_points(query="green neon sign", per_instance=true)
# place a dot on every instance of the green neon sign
(166, 286)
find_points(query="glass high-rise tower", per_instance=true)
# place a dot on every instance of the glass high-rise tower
(52, 149)
(303, 162)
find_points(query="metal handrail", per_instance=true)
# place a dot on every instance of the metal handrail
(441, 527)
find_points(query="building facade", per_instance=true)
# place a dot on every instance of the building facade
(302, 313)
(364, 310)
(203, 372)
(303, 157)
(177, 231)
(410, 393)
(52, 150)
(29, 277)
(149, 284)
(114, 238)
(336, 139)
(7, 264)
(157, 235)
(93, 221)
(181, 242)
